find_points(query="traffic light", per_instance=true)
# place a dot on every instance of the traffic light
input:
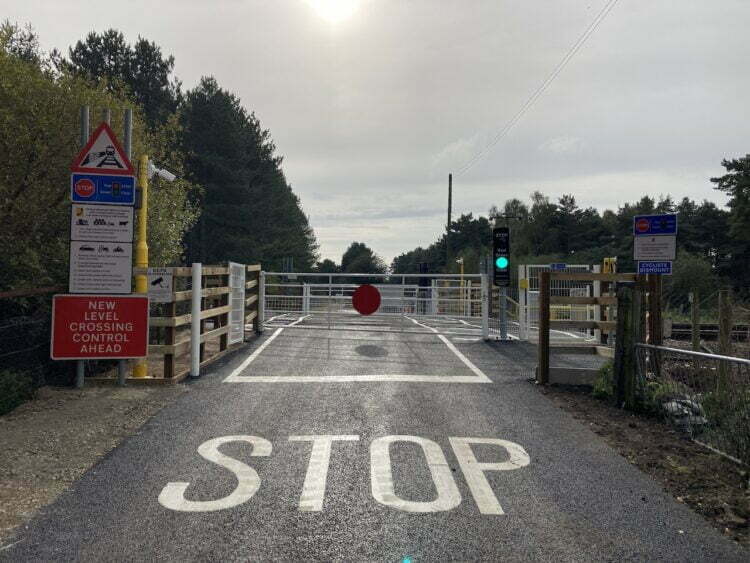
(501, 256)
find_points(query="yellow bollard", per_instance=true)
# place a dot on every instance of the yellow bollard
(140, 369)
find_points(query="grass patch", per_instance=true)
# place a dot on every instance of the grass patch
(15, 388)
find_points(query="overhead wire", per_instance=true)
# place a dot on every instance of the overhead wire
(542, 88)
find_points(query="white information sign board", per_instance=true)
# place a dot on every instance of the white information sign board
(160, 286)
(654, 248)
(237, 303)
(101, 267)
(101, 223)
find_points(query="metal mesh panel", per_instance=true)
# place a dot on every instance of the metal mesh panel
(564, 288)
(706, 396)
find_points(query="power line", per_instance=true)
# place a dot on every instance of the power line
(542, 88)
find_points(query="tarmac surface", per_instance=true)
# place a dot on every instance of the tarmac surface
(360, 444)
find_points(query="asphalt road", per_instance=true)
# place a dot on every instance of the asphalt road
(363, 445)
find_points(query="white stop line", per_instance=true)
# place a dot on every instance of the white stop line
(173, 495)
(478, 377)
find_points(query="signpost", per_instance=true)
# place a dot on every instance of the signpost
(101, 223)
(664, 268)
(103, 154)
(101, 267)
(558, 266)
(655, 243)
(99, 326)
(655, 248)
(160, 285)
(102, 189)
(98, 188)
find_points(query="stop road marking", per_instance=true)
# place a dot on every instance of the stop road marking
(383, 490)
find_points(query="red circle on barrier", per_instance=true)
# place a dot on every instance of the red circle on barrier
(84, 188)
(366, 299)
(642, 225)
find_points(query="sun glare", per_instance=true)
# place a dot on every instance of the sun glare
(334, 11)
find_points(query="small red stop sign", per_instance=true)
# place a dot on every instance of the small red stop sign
(366, 299)
(642, 225)
(84, 188)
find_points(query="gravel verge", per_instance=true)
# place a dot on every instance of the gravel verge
(710, 484)
(49, 442)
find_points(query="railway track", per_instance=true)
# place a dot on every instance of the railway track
(682, 331)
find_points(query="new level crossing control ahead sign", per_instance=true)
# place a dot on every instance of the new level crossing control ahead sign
(99, 327)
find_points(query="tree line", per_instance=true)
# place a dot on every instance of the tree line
(713, 242)
(231, 200)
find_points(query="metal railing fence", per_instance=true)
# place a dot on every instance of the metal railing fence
(327, 299)
(706, 396)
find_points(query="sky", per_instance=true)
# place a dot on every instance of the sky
(373, 103)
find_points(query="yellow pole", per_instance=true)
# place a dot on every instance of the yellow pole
(140, 369)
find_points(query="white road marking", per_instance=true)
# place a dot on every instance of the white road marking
(407, 378)
(381, 476)
(172, 495)
(474, 471)
(468, 363)
(479, 377)
(314, 489)
(3, 548)
(278, 317)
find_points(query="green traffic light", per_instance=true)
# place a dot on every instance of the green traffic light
(501, 262)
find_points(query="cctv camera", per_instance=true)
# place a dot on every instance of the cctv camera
(165, 174)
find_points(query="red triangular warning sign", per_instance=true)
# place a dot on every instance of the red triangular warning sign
(103, 154)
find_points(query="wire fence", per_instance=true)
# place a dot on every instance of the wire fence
(25, 364)
(706, 396)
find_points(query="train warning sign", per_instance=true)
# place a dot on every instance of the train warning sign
(103, 154)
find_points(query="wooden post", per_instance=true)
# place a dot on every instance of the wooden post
(256, 291)
(169, 340)
(725, 322)
(695, 322)
(223, 319)
(542, 376)
(655, 327)
(725, 335)
(204, 306)
(628, 333)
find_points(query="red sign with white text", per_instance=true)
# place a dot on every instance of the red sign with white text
(99, 327)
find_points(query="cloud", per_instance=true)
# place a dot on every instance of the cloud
(372, 114)
(563, 145)
(457, 153)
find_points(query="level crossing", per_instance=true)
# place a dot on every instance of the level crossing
(404, 436)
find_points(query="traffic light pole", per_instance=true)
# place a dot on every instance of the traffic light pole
(501, 272)
(502, 315)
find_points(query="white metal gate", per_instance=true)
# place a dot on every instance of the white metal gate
(236, 303)
(409, 302)
(528, 298)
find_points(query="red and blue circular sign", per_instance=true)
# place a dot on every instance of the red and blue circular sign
(642, 225)
(366, 299)
(84, 187)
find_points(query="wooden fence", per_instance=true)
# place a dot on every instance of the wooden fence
(608, 302)
(170, 323)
